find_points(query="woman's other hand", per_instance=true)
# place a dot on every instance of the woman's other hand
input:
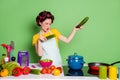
(76, 29)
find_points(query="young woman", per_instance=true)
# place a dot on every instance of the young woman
(44, 20)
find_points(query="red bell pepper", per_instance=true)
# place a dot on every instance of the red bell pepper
(17, 71)
(26, 70)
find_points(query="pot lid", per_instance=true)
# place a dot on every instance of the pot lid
(75, 56)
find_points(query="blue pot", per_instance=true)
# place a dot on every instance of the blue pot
(75, 62)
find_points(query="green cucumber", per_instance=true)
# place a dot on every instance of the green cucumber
(82, 22)
(51, 36)
(35, 71)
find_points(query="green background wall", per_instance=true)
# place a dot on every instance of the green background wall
(98, 41)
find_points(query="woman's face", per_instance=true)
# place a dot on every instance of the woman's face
(45, 25)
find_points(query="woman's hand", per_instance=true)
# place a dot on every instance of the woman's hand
(42, 39)
(76, 29)
(81, 27)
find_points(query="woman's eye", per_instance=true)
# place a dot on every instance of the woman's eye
(46, 23)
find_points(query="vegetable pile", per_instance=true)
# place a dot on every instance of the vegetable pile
(56, 71)
(14, 69)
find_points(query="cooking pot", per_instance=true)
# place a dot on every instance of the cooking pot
(94, 66)
(75, 61)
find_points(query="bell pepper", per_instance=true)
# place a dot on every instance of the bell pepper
(17, 71)
(26, 70)
(4, 73)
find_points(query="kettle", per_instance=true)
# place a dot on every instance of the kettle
(75, 61)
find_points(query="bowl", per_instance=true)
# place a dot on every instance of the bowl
(44, 63)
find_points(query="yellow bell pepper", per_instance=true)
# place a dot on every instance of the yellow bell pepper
(4, 73)
(56, 72)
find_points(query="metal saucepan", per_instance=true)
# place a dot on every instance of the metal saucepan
(94, 66)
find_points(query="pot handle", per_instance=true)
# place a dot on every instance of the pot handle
(115, 62)
(83, 62)
(75, 54)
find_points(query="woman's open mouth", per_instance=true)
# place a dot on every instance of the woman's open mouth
(47, 29)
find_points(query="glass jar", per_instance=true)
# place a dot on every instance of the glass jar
(3, 57)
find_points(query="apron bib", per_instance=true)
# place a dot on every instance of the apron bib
(51, 51)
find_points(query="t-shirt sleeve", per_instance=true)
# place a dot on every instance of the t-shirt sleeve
(57, 33)
(35, 39)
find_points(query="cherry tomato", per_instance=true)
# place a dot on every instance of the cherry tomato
(52, 67)
(60, 68)
(44, 70)
(49, 71)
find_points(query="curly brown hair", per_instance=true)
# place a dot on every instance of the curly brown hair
(43, 16)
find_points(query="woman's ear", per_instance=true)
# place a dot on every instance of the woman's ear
(40, 23)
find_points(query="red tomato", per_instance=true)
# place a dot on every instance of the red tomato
(60, 68)
(44, 70)
(49, 71)
(52, 67)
